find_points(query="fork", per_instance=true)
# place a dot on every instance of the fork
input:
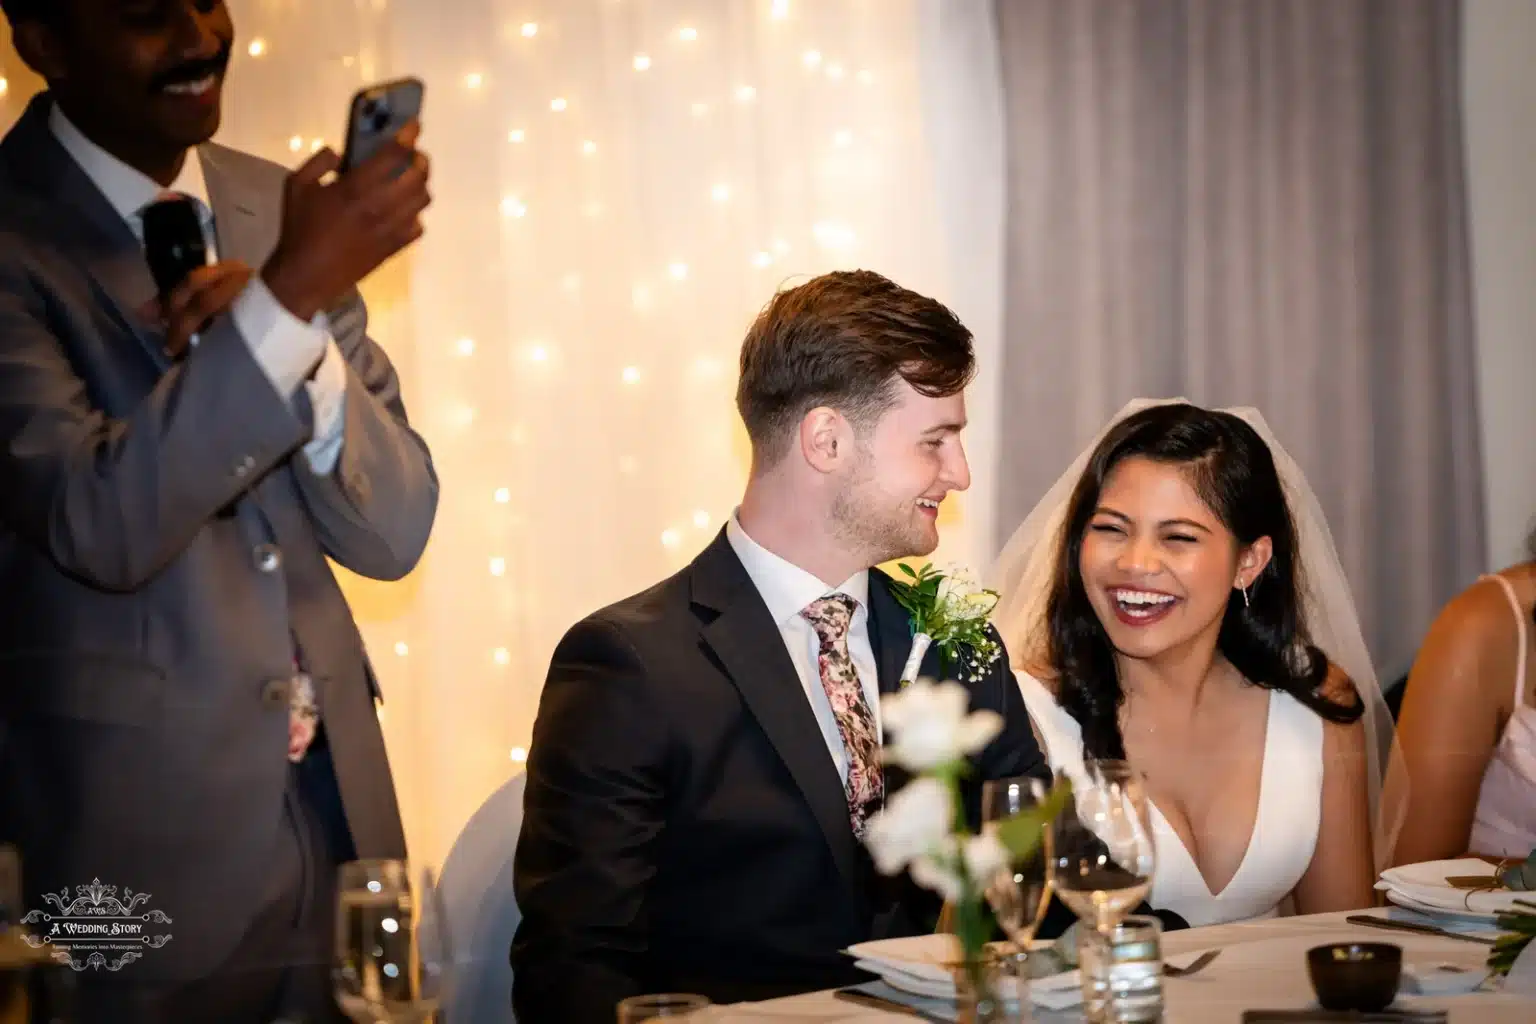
(1201, 963)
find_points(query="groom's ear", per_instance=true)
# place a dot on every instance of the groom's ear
(1254, 559)
(826, 441)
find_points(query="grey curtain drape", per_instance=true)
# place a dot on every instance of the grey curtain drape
(1253, 202)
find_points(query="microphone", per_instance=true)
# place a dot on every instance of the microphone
(173, 242)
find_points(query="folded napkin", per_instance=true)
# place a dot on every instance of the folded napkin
(1424, 887)
(920, 965)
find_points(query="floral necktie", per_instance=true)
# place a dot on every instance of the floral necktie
(865, 788)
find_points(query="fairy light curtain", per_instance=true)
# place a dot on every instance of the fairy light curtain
(620, 185)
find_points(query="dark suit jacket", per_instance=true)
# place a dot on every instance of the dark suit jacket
(145, 647)
(685, 828)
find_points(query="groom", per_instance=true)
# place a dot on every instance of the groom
(707, 752)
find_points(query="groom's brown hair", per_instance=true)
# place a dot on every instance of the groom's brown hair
(843, 340)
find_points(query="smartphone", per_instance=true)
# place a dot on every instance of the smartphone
(377, 115)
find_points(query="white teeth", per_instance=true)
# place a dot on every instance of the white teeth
(196, 88)
(1140, 597)
(927, 503)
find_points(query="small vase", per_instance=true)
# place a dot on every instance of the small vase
(979, 995)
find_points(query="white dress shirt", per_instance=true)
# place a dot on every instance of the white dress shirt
(788, 590)
(284, 346)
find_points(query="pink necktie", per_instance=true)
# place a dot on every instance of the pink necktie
(865, 788)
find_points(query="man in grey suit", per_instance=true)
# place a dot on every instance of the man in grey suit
(186, 708)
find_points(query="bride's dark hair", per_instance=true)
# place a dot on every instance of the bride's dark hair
(1232, 470)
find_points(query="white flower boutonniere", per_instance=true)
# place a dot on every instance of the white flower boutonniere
(950, 611)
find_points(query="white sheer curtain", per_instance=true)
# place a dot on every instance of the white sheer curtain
(620, 185)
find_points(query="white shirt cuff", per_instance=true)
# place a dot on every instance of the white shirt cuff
(285, 347)
(328, 398)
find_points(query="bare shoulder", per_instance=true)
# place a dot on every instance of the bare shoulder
(1473, 642)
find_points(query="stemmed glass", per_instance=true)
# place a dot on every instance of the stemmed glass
(392, 953)
(1102, 853)
(1021, 892)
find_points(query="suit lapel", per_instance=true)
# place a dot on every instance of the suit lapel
(890, 634)
(749, 646)
(244, 224)
(82, 224)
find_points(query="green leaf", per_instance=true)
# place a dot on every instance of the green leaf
(1021, 833)
(904, 567)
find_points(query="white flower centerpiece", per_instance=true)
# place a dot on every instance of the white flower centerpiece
(952, 612)
(930, 731)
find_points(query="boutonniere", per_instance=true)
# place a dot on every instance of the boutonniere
(952, 612)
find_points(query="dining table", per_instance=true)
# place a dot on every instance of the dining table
(1262, 966)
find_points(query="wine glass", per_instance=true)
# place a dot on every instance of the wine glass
(1102, 854)
(391, 943)
(1020, 893)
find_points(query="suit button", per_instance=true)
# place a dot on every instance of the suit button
(275, 693)
(267, 557)
(244, 466)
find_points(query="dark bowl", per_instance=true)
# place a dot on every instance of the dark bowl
(1355, 975)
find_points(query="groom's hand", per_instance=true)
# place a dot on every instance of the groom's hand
(337, 232)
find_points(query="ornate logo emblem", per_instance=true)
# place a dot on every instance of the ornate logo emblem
(97, 929)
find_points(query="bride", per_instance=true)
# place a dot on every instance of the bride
(1164, 608)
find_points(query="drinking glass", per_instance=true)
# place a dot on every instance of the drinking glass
(1102, 854)
(1019, 894)
(669, 1006)
(391, 943)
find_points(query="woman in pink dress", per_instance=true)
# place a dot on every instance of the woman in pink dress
(1468, 727)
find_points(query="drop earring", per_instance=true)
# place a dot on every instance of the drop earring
(1245, 597)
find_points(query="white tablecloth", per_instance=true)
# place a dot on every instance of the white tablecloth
(1262, 966)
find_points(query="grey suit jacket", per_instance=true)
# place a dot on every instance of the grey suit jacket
(147, 631)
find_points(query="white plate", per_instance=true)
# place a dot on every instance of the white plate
(1408, 902)
(1425, 885)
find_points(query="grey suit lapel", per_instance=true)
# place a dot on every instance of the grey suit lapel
(749, 647)
(244, 224)
(82, 224)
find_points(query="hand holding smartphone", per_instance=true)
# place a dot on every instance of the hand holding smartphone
(377, 115)
(337, 232)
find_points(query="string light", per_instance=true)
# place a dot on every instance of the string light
(593, 209)
(642, 62)
(295, 144)
(257, 47)
(519, 754)
(779, 11)
(679, 271)
(557, 104)
(640, 297)
(519, 435)
(670, 538)
(843, 138)
(402, 648)
(687, 33)
(866, 77)
(835, 72)
(631, 375)
(589, 147)
(720, 193)
(512, 206)
(474, 80)
(498, 566)
(762, 259)
(812, 58)
(315, 144)
(530, 29)
(517, 135)
(503, 495)
(746, 94)
(571, 283)
(701, 519)
(501, 656)
(466, 346)
(628, 465)
(699, 109)
(539, 354)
